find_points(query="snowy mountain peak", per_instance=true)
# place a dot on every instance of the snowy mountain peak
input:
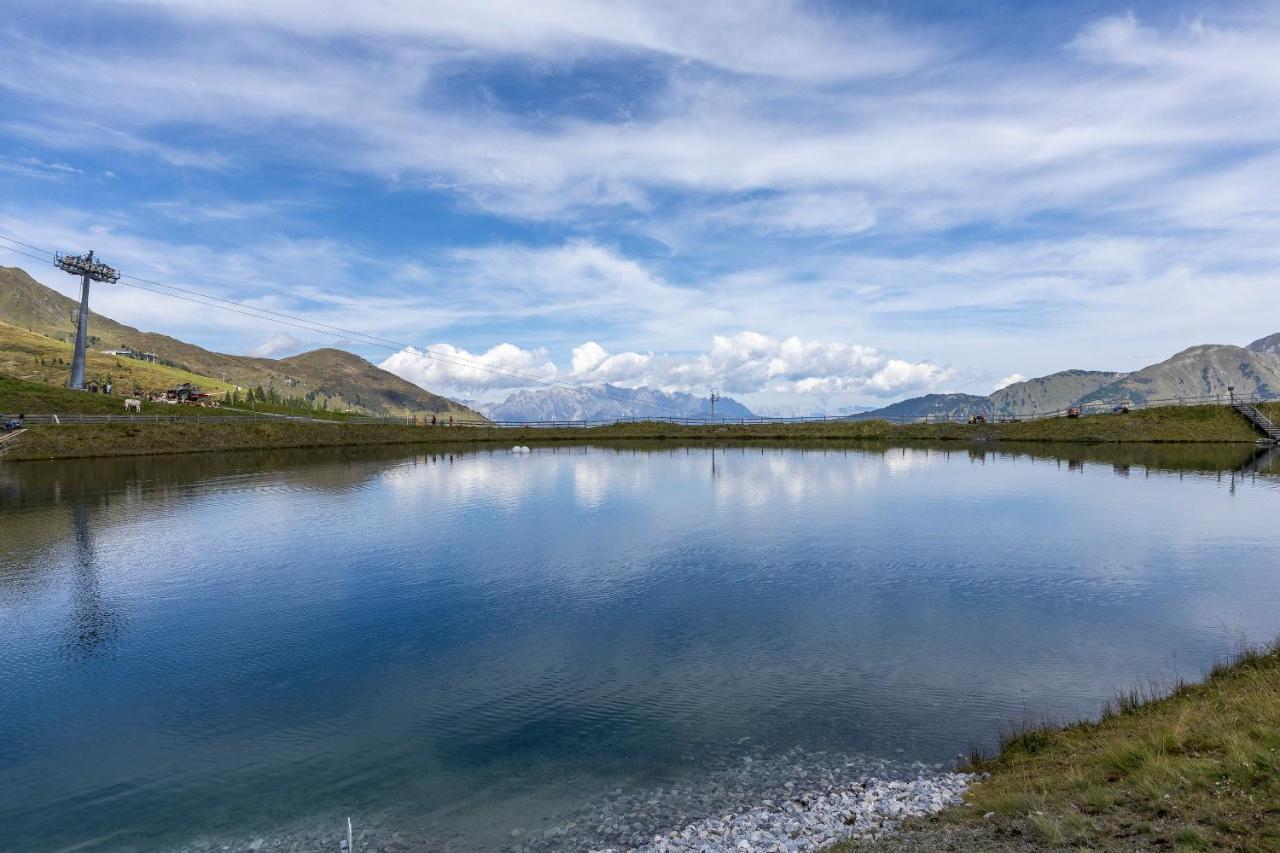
(605, 403)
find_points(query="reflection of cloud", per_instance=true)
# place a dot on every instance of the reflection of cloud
(902, 459)
(464, 480)
(590, 482)
(749, 479)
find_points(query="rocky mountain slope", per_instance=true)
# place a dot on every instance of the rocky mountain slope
(606, 402)
(1200, 371)
(1049, 393)
(335, 377)
(948, 406)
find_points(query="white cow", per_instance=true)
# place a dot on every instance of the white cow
(135, 405)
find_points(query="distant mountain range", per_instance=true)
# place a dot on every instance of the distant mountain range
(1200, 371)
(37, 323)
(798, 411)
(605, 402)
(33, 313)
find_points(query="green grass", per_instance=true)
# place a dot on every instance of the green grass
(33, 398)
(1176, 425)
(44, 361)
(1196, 769)
(281, 409)
(187, 436)
(1199, 768)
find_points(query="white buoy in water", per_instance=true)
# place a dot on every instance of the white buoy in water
(519, 449)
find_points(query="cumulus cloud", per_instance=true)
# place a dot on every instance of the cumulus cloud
(276, 346)
(449, 368)
(745, 363)
(919, 169)
(1011, 379)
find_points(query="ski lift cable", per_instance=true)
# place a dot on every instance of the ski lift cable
(305, 324)
(251, 313)
(378, 341)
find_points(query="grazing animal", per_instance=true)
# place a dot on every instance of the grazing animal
(135, 405)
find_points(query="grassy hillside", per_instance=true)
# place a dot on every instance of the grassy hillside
(339, 375)
(36, 358)
(29, 305)
(931, 405)
(33, 398)
(1195, 372)
(1049, 393)
(1198, 372)
(326, 377)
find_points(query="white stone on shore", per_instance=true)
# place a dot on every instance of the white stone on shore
(811, 821)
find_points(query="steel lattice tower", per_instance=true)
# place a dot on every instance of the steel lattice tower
(89, 270)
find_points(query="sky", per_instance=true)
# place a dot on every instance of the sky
(804, 204)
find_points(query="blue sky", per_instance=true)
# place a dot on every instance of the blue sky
(805, 204)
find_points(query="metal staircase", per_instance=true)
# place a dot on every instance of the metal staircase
(1259, 420)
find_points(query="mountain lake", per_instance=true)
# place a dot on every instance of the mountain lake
(578, 647)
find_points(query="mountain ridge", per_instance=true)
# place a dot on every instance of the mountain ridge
(325, 376)
(1203, 370)
(607, 402)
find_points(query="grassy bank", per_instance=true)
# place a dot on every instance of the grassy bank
(1198, 769)
(1169, 425)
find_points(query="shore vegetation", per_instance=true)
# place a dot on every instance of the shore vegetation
(1195, 767)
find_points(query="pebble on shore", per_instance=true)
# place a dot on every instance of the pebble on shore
(811, 822)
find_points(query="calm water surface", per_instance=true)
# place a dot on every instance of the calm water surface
(470, 643)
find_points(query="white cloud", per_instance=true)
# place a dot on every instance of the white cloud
(745, 363)
(826, 212)
(1155, 146)
(772, 37)
(1011, 379)
(34, 167)
(927, 150)
(452, 369)
(587, 357)
(277, 346)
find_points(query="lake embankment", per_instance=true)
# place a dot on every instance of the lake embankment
(1175, 424)
(1197, 768)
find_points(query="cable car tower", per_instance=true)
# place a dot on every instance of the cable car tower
(89, 269)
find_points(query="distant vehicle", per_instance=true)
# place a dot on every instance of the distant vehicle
(977, 419)
(186, 393)
(9, 426)
(1122, 409)
(1074, 412)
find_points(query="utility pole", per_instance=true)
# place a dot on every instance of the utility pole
(89, 270)
(715, 397)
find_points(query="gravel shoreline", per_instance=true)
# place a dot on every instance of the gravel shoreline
(809, 822)
(791, 802)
